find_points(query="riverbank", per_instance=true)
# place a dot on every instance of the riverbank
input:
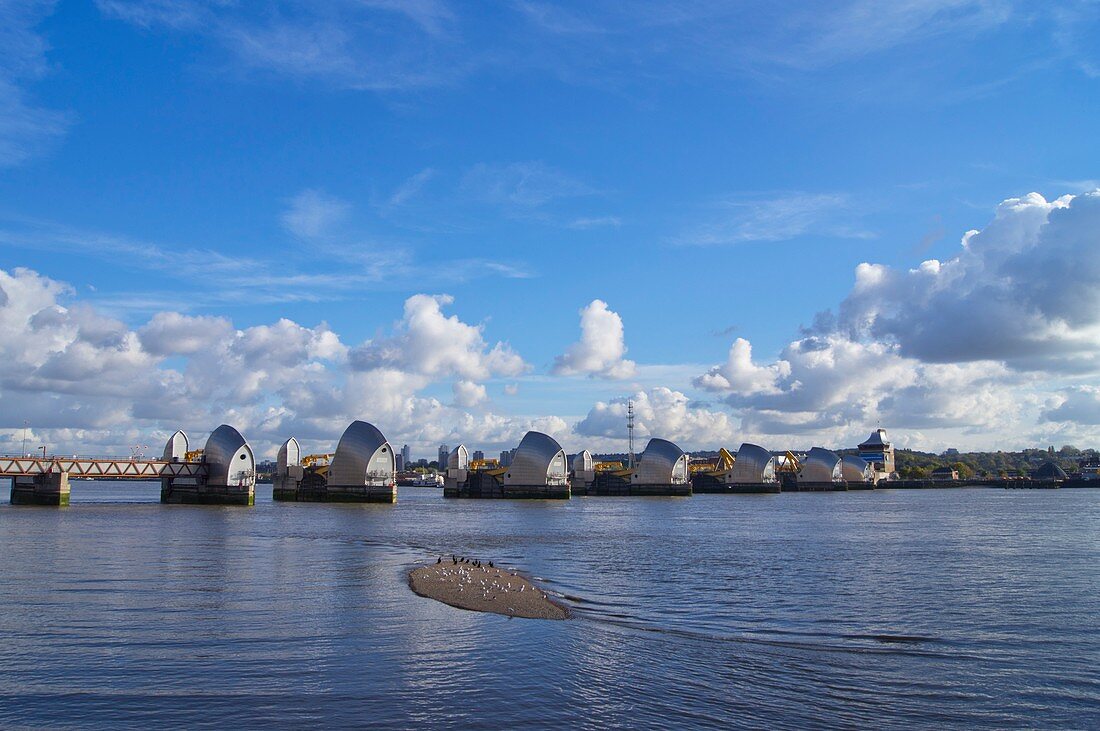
(484, 589)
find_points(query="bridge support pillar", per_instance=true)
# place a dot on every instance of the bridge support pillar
(50, 488)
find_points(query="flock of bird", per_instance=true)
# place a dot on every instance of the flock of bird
(492, 582)
(456, 560)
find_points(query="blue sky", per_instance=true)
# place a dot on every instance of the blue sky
(710, 171)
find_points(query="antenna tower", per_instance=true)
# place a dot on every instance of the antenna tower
(630, 431)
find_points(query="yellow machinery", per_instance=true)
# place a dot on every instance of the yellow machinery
(608, 467)
(311, 459)
(716, 466)
(789, 463)
(484, 464)
(193, 456)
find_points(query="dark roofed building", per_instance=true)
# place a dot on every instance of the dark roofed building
(1050, 471)
(878, 452)
(945, 473)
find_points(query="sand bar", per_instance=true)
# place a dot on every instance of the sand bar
(484, 589)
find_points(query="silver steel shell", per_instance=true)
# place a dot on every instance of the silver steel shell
(177, 446)
(362, 457)
(662, 463)
(753, 464)
(583, 462)
(290, 455)
(458, 459)
(821, 465)
(856, 469)
(229, 459)
(539, 460)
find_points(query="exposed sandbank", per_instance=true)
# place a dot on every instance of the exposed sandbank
(484, 589)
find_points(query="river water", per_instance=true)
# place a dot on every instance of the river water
(918, 608)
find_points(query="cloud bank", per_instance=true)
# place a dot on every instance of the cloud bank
(997, 346)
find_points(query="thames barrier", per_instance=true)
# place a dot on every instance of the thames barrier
(363, 468)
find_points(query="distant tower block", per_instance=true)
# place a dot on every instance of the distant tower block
(878, 451)
(230, 476)
(361, 470)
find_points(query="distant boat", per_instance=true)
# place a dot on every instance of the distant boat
(428, 481)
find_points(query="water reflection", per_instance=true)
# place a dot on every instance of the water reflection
(907, 608)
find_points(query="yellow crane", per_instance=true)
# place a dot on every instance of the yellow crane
(788, 463)
(716, 466)
(311, 459)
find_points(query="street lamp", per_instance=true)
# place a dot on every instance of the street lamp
(24, 452)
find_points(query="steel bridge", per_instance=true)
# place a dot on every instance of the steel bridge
(105, 467)
(223, 472)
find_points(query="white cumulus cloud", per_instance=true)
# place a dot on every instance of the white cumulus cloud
(468, 394)
(658, 412)
(89, 383)
(601, 348)
(1024, 291)
(430, 343)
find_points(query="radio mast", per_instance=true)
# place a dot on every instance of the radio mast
(630, 431)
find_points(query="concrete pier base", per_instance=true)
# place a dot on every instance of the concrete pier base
(507, 492)
(51, 488)
(338, 494)
(481, 485)
(821, 487)
(638, 490)
(284, 494)
(195, 494)
(737, 488)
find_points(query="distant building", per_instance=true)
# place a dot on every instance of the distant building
(1089, 469)
(506, 457)
(399, 462)
(945, 473)
(1050, 471)
(406, 454)
(878, 452)
(952, 452)
(444, 452)
(478, 455)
